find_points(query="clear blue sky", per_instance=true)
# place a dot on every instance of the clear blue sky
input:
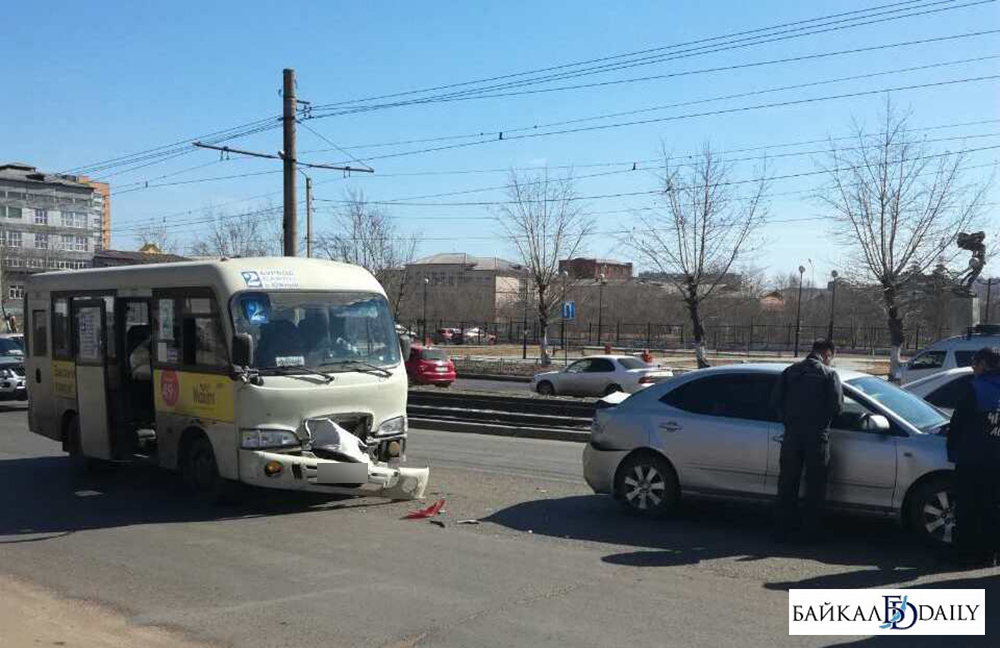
(98, 80)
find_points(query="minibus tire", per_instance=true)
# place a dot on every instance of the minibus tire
(201, 473)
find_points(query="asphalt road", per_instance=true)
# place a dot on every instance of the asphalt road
(549, 564)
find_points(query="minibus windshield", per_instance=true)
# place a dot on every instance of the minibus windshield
(328, 330)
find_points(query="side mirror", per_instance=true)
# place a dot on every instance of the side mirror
(876, 423)
(242, 355)
(404, 346)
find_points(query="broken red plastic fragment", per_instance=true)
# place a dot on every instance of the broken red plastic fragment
(423, 513)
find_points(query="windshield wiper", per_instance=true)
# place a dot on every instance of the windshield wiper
(360, 366)
(287, 371)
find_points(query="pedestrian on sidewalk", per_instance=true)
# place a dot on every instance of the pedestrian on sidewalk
(974, 448)
(808, 397)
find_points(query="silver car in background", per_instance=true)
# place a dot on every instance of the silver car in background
(713, 432)
(600, 375)
(943, 389)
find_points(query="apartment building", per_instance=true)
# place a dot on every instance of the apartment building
(47, 222)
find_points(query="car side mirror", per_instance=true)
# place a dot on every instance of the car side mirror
(876, 423)
(242, 354)
(404, 345)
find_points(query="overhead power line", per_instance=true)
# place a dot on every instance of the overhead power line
(699, 51)
(502, 137)
(897, 6)
(789, 176)
(677, 74)
(764, 147)
(397, 203)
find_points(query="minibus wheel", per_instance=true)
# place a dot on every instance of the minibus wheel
(201, 472)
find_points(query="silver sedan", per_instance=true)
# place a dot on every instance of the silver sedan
(942, 389)
(600, 375)
(713, 432)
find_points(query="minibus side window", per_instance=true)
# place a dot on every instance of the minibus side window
(39, 337)
(188, 331)
(204, 343)
(166, 331)
(61, 344)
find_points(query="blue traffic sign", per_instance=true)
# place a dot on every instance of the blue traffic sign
(569, 310)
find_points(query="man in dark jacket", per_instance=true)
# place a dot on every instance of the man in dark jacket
(974, 447)
(808, 397)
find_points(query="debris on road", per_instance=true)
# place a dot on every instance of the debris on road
(468, 522)
(438, 522)
(425, 513)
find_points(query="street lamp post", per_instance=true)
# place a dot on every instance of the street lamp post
(562, 322)
(833, 304)
(423, 326)
(524, 347)
(600, 307)
(798, 312)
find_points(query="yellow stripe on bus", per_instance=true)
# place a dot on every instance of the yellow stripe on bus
(64, 379)
(208, 396)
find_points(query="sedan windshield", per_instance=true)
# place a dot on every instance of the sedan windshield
(317, 330)
(10, 347)
(910, 408)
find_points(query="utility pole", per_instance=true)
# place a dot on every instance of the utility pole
(288, 154)
(309, 217)
(289, 116)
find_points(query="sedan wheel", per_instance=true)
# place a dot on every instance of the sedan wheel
(545, 388)
(646, 484)
(611, 389)
(932, 512)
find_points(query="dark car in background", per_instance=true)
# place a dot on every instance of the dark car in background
(430, 366)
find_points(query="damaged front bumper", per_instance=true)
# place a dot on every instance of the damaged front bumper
(306, 472)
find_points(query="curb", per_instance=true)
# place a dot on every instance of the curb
(440, 425)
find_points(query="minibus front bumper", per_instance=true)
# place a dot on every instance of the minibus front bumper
(309, 473)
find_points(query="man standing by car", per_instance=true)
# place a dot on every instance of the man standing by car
(808, 397)
(974, 448)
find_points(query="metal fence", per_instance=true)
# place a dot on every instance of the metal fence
(665, 336)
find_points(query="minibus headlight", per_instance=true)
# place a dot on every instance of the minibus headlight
(392, 426)
(259, 439)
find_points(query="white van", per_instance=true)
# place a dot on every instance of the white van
(278, 372)
(949, 353)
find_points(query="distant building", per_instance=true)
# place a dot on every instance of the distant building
(47, 222)
(585, 268)
(467, 287)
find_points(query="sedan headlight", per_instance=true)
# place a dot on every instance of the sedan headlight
(392, 427)
(258, 439)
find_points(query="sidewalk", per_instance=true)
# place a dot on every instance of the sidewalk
(30, 616)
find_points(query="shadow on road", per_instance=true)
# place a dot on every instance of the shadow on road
(710, 529)
(48, 497)
(884, 553)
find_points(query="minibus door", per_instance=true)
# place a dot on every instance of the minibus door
(38, 367)
(91, 377)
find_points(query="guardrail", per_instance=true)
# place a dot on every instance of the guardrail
(508, 411)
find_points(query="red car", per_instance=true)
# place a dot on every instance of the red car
(429, 366)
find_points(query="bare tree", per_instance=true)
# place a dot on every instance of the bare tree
(704, 227)
(159, 236)
(366, 235)
(254, 232)
(544, 222)
(898, 209)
